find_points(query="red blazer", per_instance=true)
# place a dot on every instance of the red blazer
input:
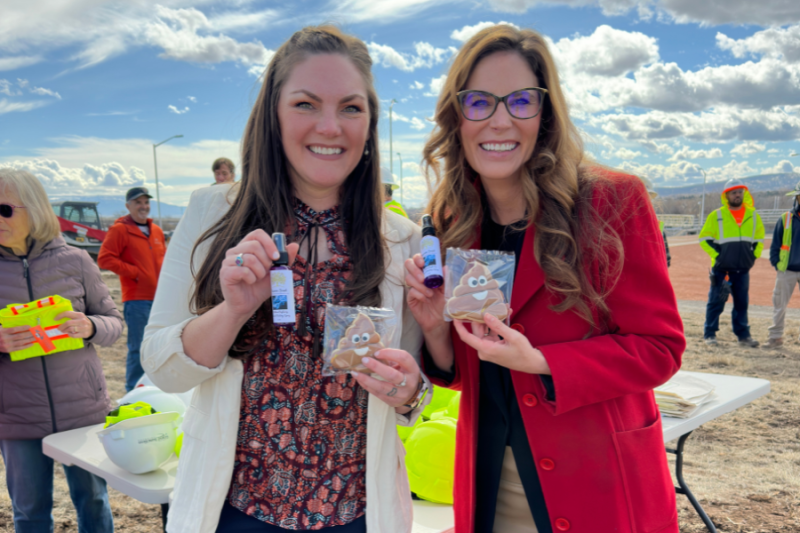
(598, 448)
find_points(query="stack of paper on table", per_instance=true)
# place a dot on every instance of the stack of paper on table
(682, 395)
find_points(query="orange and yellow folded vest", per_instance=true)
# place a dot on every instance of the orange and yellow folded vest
(40, 317)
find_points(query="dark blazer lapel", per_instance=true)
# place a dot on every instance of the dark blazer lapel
(530, 277)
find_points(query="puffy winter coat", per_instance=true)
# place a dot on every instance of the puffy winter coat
(65, 390)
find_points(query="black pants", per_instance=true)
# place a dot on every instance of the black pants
(740, 288)
(232, 520)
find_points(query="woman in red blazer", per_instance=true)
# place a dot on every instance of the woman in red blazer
(558, 427)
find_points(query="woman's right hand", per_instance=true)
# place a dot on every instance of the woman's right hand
(15, 339)
(427, 305)
(246, 287)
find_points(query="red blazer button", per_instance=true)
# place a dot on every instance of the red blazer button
(518, 327)
(530, 400)
(562, 524)
(548, 464)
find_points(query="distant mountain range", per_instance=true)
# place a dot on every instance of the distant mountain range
(767, 182)
(109, 206)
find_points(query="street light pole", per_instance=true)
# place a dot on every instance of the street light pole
(703, 203)
(391, 158)
(155, 165)
(401, 176)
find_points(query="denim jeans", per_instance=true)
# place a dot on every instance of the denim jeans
(29, 476)
(740, 288)
(137, 313)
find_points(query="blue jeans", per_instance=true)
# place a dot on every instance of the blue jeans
(29, 476)
(740, 288)
(137, 313)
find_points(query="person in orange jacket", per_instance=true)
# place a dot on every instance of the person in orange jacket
(134, 250)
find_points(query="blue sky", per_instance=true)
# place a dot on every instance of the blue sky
(661, 88)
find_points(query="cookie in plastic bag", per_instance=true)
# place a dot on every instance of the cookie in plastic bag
(352, 333)
(478, 282)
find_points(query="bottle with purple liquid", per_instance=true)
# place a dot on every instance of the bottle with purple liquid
(431, 252)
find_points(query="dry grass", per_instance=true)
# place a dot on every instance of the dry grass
(744, 467)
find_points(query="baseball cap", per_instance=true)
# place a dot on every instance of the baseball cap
(136, 192)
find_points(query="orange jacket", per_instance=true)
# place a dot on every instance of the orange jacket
(137, 259)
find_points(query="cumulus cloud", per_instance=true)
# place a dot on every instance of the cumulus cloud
(426, 55)
(682, 172)
(685, 153)
(465, 33)
(748, 148)
(413, 122)
(13, 63)
(622, 153)
(436, 85)
(173, 109)
(607, 52)
(58, 179)
(781, 167)
(417, 85)
(777, 43)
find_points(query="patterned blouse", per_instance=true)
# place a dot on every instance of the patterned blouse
(301, 449)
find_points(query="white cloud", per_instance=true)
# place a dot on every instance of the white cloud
(426, 56)
(685, 153)
(414, 122)
(58, 179)
(777, 43)
(417, 85)
(191, 99)
(622, 153)
(682, 172)
(465, 33)
(436, 85)
(7, 88)
(13, 63)
(607, 52)
(177, 111)
(9, 107)
(658, 148)
(781, 167)
(748, 148)
(44, 92)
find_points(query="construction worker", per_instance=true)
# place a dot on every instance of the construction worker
(653, 195)
(388, 187)
(784, 254)
(733, 236)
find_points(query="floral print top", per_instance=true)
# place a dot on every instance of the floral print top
(301, 450)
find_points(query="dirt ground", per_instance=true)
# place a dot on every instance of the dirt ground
(744, 467)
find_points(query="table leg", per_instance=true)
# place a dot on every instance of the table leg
(164, 511)
(683, 488)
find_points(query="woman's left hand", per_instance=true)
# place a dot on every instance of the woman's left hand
(78, 326)
(400, 372)
(513, 351)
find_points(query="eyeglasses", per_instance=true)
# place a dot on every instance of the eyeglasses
(522, 104)
(7, 210)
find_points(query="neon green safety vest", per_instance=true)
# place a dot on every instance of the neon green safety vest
(721, 229)
(395, 206)
(661, 226)
(783, 262)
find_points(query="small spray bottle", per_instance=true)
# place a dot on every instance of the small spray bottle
(431, 252)
(280, 275)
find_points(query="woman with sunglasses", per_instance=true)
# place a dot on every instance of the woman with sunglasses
(61, 391)
(271, 444)
(558, 428)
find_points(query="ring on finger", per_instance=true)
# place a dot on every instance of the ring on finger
(239, 260)
(403, 383)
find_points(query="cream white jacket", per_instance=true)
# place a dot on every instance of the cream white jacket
(211, 424)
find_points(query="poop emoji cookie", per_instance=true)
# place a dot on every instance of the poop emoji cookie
(476, 294)
(360, 340)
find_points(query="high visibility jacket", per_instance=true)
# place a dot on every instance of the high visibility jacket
(784, 254)
(786, 245)
(395, 206)
(733, 247)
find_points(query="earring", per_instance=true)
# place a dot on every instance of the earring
(366, 151)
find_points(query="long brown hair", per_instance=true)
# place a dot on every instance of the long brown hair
(558, 183)
(266, 195)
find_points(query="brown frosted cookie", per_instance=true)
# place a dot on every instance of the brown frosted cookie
(476, 294)
(360, 340)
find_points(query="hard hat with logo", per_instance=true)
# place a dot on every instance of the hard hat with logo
(140, 444)
(387, 178)
(430, 459)
(734, 183)
(161, 401)
(795, 191)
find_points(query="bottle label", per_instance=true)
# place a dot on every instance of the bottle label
(282, 296)
(432, 255)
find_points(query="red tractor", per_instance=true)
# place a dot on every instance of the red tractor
(80, 225)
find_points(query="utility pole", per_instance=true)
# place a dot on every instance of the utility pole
(155, 164)
(391, 154)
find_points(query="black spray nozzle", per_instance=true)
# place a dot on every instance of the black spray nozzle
(427, 226)
(280, 243)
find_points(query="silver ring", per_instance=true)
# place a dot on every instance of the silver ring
(403, 384)
(239, 260)
(74, 329)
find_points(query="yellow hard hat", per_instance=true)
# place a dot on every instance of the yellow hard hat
(430, 459)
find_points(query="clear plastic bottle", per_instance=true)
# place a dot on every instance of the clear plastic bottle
(431, 252)
(283, 311)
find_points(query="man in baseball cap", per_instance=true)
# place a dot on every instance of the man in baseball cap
(134, 250)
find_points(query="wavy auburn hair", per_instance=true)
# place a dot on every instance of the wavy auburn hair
(266, 194)
(579, 250)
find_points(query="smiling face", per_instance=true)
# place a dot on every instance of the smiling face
(476, 282)
(360, 340)
(324, 119)
(15, 230)
(139, 208)
(498, 147)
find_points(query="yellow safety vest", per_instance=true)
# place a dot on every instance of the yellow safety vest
(786, 245)
(40, 316)
(392, 205)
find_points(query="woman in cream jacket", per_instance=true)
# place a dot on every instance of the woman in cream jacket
(201, 332)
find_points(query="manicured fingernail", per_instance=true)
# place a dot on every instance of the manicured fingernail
(364, 360)
(353, 373)
(276, 255)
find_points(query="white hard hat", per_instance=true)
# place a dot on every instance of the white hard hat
(144, 381)
(140, 445)
(387, 178)
(161, 401)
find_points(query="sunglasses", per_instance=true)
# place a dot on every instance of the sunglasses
(522, 104)
(7, 210)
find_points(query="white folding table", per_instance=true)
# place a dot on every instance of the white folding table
(82, 448)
